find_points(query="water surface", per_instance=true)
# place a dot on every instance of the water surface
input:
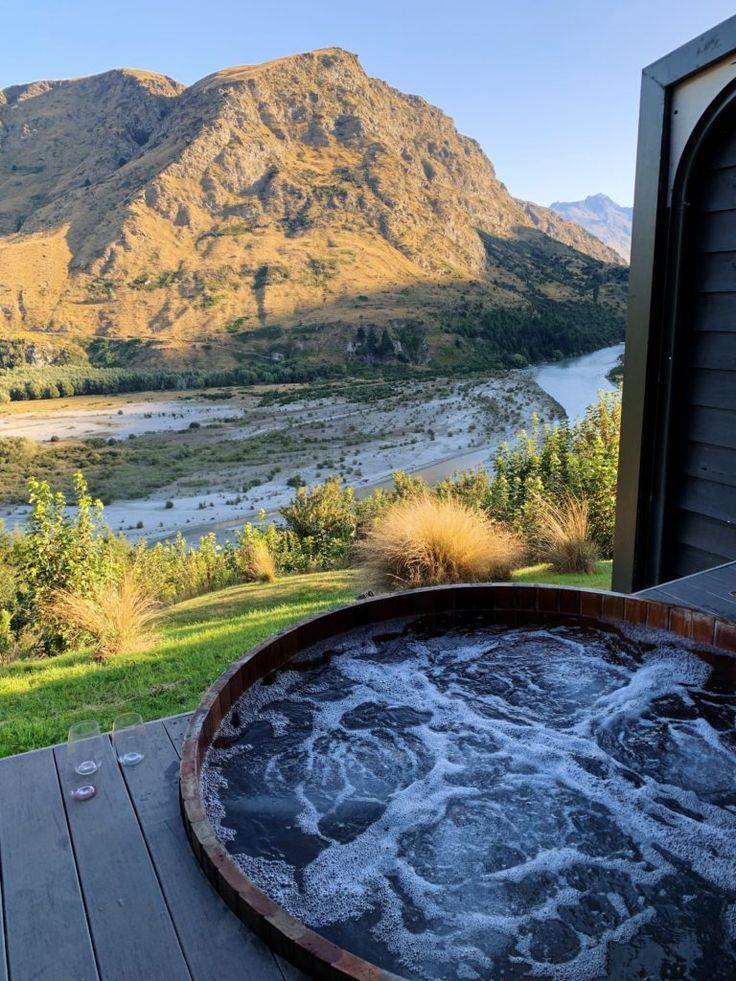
(556, 803)
(575, 382)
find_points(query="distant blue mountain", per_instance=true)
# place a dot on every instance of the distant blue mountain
(602, 217)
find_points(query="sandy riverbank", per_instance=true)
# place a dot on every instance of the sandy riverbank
(117, 416)
(431, 428)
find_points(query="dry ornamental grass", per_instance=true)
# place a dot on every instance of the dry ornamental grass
(564, 536)
(119, 617)
(259, 564)
(425, 541)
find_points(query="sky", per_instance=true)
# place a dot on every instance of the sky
(549, 88)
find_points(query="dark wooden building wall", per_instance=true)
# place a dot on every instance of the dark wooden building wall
(699, 528)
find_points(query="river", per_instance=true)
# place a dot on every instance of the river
(575, 382)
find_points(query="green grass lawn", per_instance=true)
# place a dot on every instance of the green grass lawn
(599, 579)
(40, 699)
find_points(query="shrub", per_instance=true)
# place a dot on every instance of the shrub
(324, 520)
(118, 617)
(563, 536)
(26, 643)
(256, 561)
(205, 568)
(7, 637)
(8, 585)
(555, 462)
(59, 551)
(405, 485)
(424, 541)
(470, 487)
(174, 570)
(282, 545)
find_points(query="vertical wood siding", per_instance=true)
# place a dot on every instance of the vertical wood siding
(700, 519)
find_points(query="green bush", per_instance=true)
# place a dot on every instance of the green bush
(470, 487)
(174, 570)
(59, 550)
(559, 462)
(324, 520)
(147, 283)
(7, 637)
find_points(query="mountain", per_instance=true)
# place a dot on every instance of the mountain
(285, 211)
(602, 217)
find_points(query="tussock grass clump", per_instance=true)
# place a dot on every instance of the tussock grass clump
(119, 617)
(425, 541)
(564, 535)
(258, 563)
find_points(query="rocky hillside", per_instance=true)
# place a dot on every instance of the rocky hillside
(292, 211)
(602, 217)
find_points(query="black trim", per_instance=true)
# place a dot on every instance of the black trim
(648, 234)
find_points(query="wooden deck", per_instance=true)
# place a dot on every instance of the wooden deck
(713, 591)
(109, 888)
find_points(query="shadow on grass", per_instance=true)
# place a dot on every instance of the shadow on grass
(543, 574)
(239, 600)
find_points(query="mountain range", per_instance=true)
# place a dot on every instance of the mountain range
(297, 211)
(602, 217)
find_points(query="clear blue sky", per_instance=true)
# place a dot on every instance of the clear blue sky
(550, 88)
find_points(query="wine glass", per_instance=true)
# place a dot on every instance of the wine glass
(84, 748)
(84, 754)
(129, 738)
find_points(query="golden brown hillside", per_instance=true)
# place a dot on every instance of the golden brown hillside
(293, 210)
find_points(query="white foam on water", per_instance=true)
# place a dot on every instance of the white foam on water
(482, 802)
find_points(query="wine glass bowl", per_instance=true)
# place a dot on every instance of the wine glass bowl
(84, 748)
(129, 738)
(84, 756)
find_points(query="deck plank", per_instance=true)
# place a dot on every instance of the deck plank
(3, 961)
(710, 590)
(215, 943)
(723, 578)
(289, 972)
(46, 923)
(131, 927)
(176, 727)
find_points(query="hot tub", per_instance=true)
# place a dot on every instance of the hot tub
(477, 781)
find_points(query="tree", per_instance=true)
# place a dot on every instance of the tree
(60, 550)
(324, 519)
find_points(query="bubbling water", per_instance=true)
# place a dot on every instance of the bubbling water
(486, 802)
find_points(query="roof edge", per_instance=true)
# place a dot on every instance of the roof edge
(713, 45)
